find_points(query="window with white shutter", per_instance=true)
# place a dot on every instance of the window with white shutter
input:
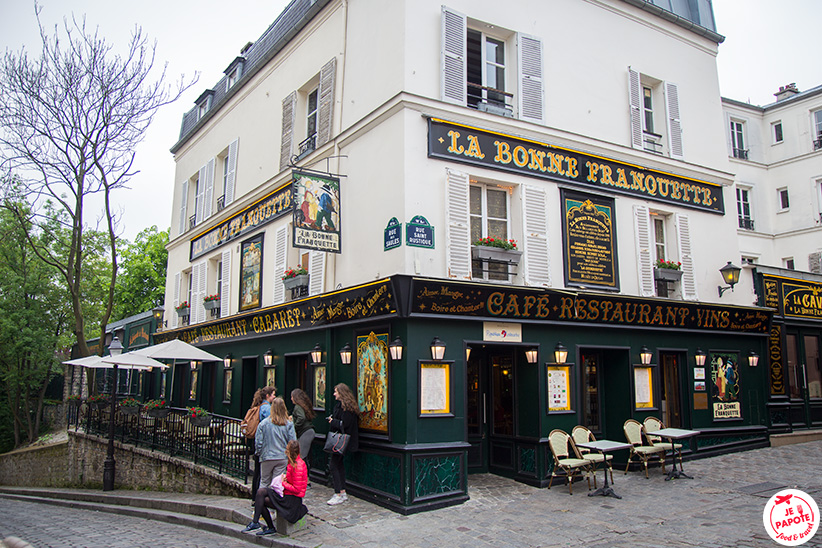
(280, 257)
(198, 292)
(674, 122)
(651, 130)
(183, 207)
(476, 68)
(230, 173)
(325, 114)
(457, 228)
(683, 229)
(208, 193)
(644, 251)
(535, 231)
(289, 111)
(175, 302)
(225, 289)
(316, 272)
(199, 195)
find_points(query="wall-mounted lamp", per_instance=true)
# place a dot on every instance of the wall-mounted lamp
(730, 274)
(560, 354)
(317, 354)
(227, 361)
(699, 358)
(115, 348)
(345, 354)
(194, 365)
(158, 312)
(395, 349)
(437, 349)
(753, 359)
(645, 356)
(531, 355)
(268, 358)
(467, 353)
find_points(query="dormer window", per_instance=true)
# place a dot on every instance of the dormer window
(234, 72)
(203, 103)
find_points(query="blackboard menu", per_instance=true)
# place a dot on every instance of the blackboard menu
(589, 238)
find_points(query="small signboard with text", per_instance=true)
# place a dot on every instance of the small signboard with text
(392, 234)
(419, 233)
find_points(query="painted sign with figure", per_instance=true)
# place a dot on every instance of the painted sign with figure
(725, 385)
(316, 212)
(372, 381)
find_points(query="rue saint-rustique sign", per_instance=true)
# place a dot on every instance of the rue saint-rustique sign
(481, 300)
(470, 145)
(370, 300)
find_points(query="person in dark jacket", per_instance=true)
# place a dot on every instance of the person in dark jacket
(303, 415)
(344, 418)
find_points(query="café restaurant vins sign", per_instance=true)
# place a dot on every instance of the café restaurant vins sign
(470, 145)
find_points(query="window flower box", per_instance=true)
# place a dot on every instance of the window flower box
(210, 305)
(183, 309)
(488, 253)
(300, 280)
(667, 274)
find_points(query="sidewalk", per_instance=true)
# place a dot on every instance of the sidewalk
(721, 506)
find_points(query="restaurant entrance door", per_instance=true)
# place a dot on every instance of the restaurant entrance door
(490, 410)
(804, 376)
(671, 402)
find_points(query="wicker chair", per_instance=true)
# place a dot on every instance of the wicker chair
(652, 424)
(581, 434)
(567, 459)
(634, 433)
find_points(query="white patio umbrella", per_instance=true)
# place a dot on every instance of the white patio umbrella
(96, 362)
(134, 360)
(176, 349)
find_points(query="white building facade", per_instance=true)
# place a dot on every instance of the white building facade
(589, 132)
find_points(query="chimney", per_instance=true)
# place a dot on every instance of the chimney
(786, 91)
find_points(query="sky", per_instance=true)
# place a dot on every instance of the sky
(768, 43)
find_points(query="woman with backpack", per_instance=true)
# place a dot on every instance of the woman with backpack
(249, 428)
(273, 434)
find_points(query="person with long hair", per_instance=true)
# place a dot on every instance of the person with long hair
(302, 415)
(268, 393)
(271, 440)
(262, 398)
(344, 418)
(290, 505)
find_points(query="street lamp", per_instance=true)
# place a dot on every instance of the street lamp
(109, 466)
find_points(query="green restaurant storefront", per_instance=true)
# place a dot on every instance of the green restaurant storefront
(460, 377)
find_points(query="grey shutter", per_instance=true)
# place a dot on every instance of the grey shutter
(453, 57)
(231, 176)
(225, 289)
(200, 197)
(635, 100)
(644, 261)
(208, 195)
(674, 122)
(176, 301)
(529, 54)
(815, 262)
(289, 110)
(184, 207)
(535, 230)
(326, 99)
(683, 230)
(316, 272)
(458, 229)
(280, 255)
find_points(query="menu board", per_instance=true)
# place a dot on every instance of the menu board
(643, 387)
(559, 393)
(435, 389)
(589, 237)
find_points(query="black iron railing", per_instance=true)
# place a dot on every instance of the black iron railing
(221, 203)
(817, 143)
(219, 445)
(746, 223)
(741, 153)
(192, 222)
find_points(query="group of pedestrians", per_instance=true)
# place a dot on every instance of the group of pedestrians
(281, 446)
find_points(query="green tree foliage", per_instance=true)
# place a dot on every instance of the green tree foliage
(33, 316)
(142, 278)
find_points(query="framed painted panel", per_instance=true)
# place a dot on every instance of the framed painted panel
(725, 386)
(228, 377)
(270, 376)
(372, 382)
(559, 388)
(319, 385)
(251, 272)
(644, 383)
(435, 389)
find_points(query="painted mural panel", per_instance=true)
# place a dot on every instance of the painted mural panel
(372, 381)
(725, 385)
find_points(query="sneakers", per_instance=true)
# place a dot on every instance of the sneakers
(338, 498)
(267, 531)
(251, 526)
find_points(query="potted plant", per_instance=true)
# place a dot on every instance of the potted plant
(198, 416)
(183, 309)
(156, 409)
(97, 401)
(667, 270)
(130, 406)
(73, 399)
(211, 302)
(496, 249)
(295, 277)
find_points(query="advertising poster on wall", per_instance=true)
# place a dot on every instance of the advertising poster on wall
(316, 212)
(725, 385)
(251, 265)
